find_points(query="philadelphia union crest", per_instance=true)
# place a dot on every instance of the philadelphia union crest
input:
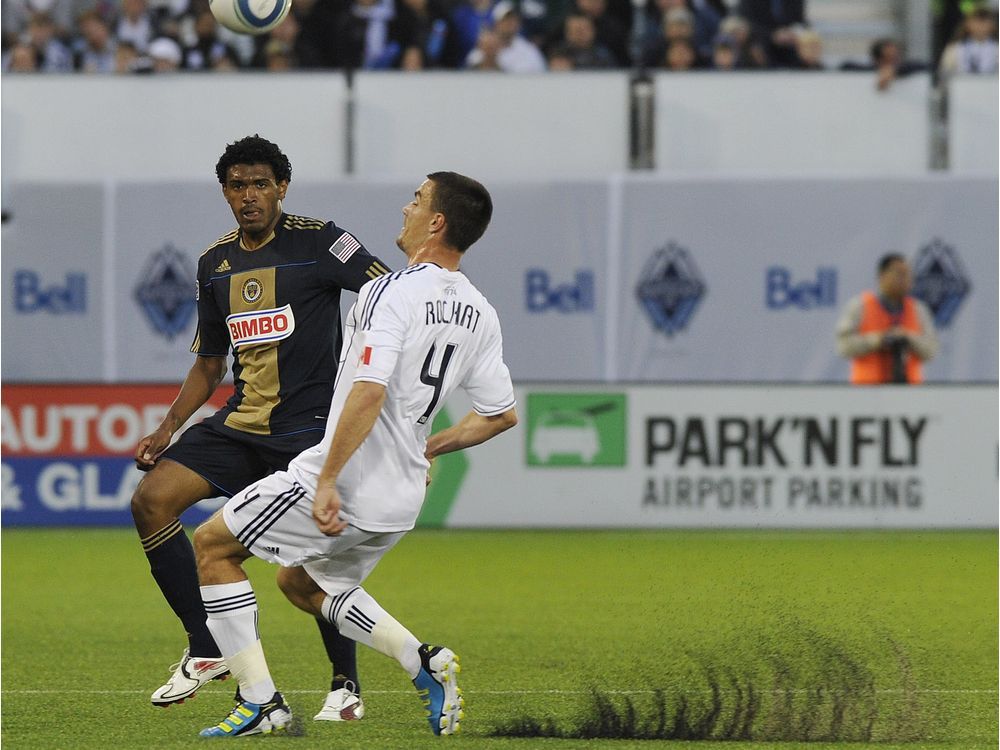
(940, 281)
(164, 294)
(670, 288)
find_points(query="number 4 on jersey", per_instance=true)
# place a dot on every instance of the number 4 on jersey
(434, 381)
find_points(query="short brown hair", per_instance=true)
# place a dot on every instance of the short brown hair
(466, 205)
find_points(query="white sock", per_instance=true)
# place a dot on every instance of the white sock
(232, 621)
(360, 618)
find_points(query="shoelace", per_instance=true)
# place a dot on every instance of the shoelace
(173, 667)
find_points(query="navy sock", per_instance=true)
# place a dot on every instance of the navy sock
(172, 563)
(343, 655)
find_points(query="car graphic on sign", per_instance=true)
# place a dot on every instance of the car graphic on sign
(566, 433)
(575, 429)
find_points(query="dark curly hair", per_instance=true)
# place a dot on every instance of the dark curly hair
(254, 150)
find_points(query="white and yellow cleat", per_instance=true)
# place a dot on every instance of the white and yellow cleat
(437, 686)
(253, 718)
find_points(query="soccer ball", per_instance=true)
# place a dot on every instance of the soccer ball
(250, 16)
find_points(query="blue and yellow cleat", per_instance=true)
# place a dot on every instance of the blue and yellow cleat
(253, 718)
(437, 686)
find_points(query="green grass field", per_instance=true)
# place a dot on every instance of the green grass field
(772, 639)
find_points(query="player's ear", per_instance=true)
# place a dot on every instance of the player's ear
(282, 189)
(438, 222)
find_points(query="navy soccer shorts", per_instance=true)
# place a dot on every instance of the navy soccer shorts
(230, 460)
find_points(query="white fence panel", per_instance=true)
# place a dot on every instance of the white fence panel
(174, 127)
(791, 123)
(973, 124)
(492, 125)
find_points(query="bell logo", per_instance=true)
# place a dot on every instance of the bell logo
(31, 295)
(542, 295)
(783, 293)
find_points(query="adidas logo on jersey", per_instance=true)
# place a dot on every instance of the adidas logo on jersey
(223, 266)
(272, 550)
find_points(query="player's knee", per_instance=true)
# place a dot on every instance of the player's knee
(210, 546)
(148, 502)
(161, 496)
(202, 540)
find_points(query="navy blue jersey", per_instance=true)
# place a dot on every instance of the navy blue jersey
(277, 309)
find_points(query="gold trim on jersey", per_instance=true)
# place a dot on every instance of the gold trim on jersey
(302, 222)
(261, 379)
(376, 269)
(227, 237)
(262, 244)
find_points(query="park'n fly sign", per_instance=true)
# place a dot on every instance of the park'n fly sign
(739, 456)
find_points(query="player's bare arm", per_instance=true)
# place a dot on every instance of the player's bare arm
(472, 429)
(363, 405)
(200, 383)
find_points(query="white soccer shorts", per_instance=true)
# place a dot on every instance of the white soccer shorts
(273, 519)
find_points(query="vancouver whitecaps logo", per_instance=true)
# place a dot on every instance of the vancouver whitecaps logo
(940, 281)
(164, 294)
(670, 288)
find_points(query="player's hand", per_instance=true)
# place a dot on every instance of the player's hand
(427, 481)
(886, 75)
(150, 448)
(326, 509)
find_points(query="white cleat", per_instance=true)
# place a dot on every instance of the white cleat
(437, 686)
(191, 673)
(342, 704)
(253, 718)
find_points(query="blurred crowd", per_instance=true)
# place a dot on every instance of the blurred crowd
(516, 36)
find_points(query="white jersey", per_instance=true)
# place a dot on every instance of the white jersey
(422, 332)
